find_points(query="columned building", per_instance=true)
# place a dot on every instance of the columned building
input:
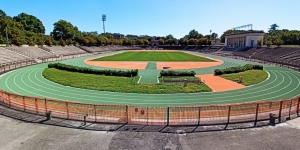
(244, 39)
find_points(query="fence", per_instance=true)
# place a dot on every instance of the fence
(183, 115)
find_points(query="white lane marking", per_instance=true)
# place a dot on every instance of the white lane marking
(139, 79)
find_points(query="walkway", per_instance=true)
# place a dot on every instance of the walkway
(69, 134)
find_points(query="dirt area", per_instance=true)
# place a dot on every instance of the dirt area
(117, 64)
(159, 65)
(219, 84)
(186, 65)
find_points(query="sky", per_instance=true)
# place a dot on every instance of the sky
(160, 17)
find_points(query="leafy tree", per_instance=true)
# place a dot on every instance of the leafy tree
(214, 36)
(278, 42)
(30, 23)
(161, 41)
(227, 32)
(192, 41)
(259, 42)
(268, 42)
(193, 34)
(62, 42)
(64, 30)
(48, 40)
(2, 13)
(273, 27)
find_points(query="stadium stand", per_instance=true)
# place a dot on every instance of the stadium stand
(100, 49)
(7, 56)
(32, 51)
(288, 56)
(63, 50)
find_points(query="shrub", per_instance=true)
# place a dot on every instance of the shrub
(86, 70)
(237, 69)
(177, 73)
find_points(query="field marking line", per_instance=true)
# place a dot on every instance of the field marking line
(139, 79)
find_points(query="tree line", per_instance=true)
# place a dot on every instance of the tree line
(28, 29)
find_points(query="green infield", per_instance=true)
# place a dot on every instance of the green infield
(154, 56)
(117, 84)
(250, 77)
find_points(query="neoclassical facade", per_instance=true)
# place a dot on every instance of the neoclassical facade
(244, 39)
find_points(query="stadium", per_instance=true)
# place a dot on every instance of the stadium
(244, 79)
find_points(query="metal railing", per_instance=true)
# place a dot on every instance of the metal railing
(150, 115)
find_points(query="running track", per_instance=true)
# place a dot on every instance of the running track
(281, 84)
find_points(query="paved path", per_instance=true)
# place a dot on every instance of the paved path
(28, 132)
(148, 75)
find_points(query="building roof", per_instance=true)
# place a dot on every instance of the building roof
(246, 32)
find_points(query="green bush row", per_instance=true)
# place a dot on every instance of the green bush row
(177, 73)
(71, 68)
(238, 69)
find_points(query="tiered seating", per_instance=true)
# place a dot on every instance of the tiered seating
(32, 51)
(277, 52)
(8, 56)
(97, 49)
(66, 50)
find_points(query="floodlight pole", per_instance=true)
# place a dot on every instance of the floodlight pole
(103, 27)
(103, 19)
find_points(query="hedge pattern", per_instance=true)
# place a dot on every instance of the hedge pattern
(238, 69)
(86, 70)
(177, 73)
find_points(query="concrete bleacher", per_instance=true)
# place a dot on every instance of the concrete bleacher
(64, 50)
(97, 49)
(32, 51)
(8, 56)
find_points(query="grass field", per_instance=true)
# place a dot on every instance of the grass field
(250, 77)
(117, 84)
(154, 56)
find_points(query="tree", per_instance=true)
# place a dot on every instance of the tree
(170, 36)
(227, 32)
(64, 30)
(30, 23)
(2, 13)
(273, 27)
(48, 40)
(192, 41)
(259, 42)
(193, 34)
(268, 42)
(278, 42)
(161, 42)
(214, 36)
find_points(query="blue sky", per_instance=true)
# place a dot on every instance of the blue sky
(160, 17)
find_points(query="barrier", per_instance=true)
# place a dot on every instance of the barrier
(184, 115)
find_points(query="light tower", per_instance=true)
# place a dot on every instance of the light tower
(103, 19)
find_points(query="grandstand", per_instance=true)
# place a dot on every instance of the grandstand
(99, 49)
(63, 50)
(32, 51)
(8, 56)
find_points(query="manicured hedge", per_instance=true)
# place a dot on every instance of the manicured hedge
(71, 68)
(238, 69)
(177, 73)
